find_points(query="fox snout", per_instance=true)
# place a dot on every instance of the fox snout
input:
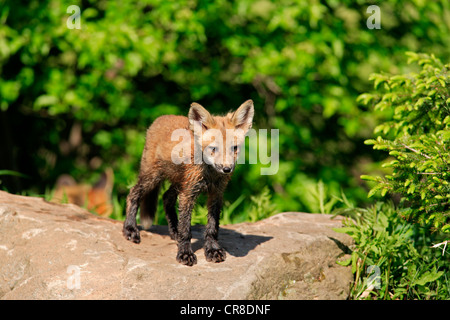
(222, 163)
(227, 169)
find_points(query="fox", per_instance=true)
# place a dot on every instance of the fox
(96, 198)
(201, 163)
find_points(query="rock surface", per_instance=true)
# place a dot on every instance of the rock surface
(53, 251)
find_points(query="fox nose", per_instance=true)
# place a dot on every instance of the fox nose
(226, 169)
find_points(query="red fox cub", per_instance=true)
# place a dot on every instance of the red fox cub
(202, 162)
(96, 198)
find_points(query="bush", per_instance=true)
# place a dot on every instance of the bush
(393, 257)
(417, 137)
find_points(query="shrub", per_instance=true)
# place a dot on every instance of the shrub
(393, 257)
(417, 136)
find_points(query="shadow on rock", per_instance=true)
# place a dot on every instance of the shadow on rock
(235, 243)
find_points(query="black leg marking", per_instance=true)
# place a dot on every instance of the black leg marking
(170, 201)
(213, 251)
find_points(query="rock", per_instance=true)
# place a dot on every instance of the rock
(54, 251)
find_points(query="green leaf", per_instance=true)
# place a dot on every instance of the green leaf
(345, 263)
(372, 192)
(45, 101)
(368, 178)
(371, 141)
(13, 173)
(428, 276)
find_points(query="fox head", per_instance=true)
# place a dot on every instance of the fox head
(220, 137)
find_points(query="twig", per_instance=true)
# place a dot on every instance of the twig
(430, 173)
(416, 151)
(437, 245)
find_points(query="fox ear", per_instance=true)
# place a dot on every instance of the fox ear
(199, 114)
(243, 117)
(106, 181)
(65, 180)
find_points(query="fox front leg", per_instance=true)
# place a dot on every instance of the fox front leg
(185, 254)
(213, 251)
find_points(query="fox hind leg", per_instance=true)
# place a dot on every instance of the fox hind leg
(170, 201)
(134, 198)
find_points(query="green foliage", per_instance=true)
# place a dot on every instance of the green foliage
(324, 202)
(261, 206)
(11, 173)
(303, 63)
(396, 251)
(417, 138)
(256, 208)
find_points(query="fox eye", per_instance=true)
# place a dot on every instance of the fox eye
(213, 149)
(234, 148)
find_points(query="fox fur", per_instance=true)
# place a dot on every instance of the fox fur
(96, 198)
(189, 178)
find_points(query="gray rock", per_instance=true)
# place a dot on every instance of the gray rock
(54, 251)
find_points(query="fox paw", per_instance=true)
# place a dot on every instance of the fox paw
(187, 257)
(131, 233)
(215, 255)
